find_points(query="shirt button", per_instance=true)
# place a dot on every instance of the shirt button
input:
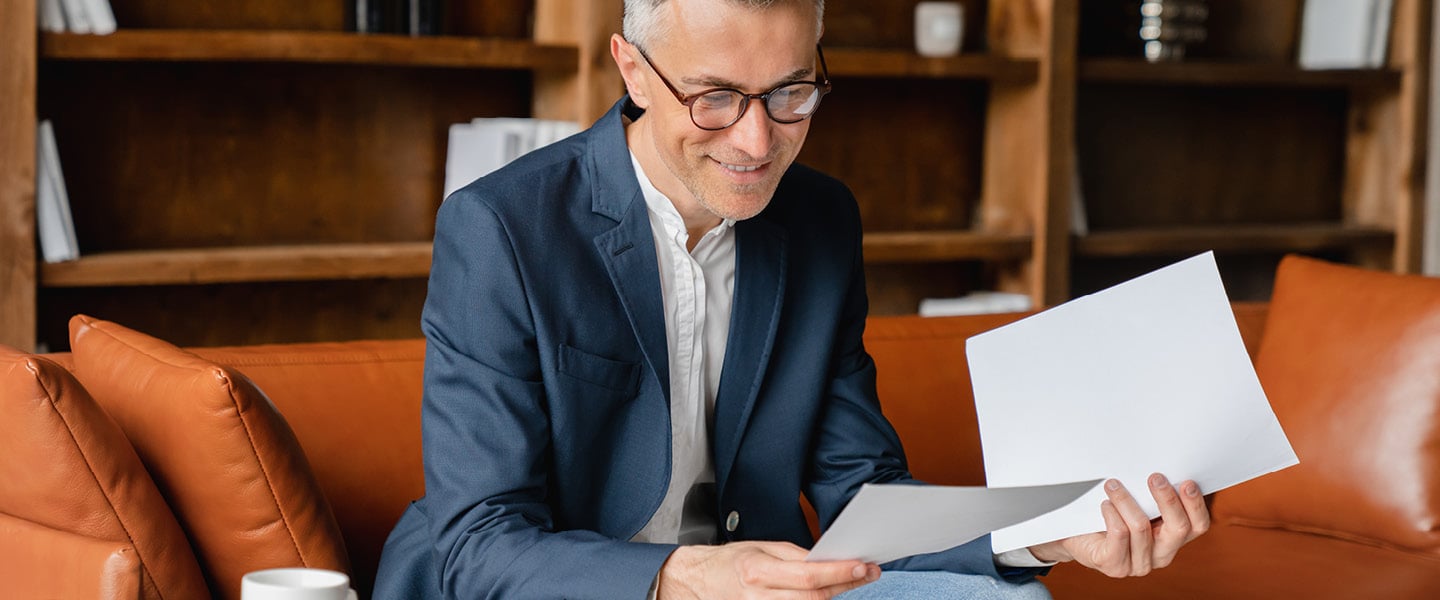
(732, 522)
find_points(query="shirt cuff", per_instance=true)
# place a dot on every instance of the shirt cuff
(655, 587)
(1020, 557)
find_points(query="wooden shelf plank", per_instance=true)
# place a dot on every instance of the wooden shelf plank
(864, 62)
(308, 47)
(1115, 70)
(943, 246)
(1241, 238)
(231, 265)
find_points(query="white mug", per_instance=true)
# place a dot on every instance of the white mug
(939, 28)
(295, 584)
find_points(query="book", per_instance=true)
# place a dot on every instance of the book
(1345, 34)
(51, 15)
(55, 227)
(477, 148)
(102, 17)
(77, 16)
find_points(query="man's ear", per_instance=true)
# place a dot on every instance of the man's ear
(630, 69)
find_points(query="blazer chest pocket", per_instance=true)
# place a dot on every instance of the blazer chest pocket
(612, 374)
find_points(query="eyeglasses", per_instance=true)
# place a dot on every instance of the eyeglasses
(717, 108)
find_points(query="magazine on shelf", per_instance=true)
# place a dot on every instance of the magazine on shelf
(481, 146)
(55, 227)
(76, 16)
(1345, 34)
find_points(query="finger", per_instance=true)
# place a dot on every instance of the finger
(1114, 559)
(1174, 526)
(783, 550)
(838, 589)
(1137, 523)
(774, 573)
(1195, 508)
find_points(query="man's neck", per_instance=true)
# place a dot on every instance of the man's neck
(698, 220)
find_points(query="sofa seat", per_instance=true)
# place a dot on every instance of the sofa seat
(1235, 561)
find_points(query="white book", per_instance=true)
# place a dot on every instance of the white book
(52, 16)
(77, 16)
(1379, 33)
(1335, 34)
(102, 17)
(56, 228)
(474, 151)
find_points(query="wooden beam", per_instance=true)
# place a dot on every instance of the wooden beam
(17, 174)
(231, 265)
(586, 93)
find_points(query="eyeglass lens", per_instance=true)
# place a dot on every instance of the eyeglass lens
(786, 104)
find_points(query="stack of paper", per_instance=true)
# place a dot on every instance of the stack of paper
(76, 16)
(481, 146)
(52, 203)
(1345, 34)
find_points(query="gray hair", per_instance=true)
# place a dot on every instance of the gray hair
(643, 24)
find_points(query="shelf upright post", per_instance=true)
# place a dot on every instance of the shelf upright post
(1029, 136)
(584, 93)
(17, 174)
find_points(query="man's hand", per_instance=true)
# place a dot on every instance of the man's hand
(1132, 545)
(757, 570)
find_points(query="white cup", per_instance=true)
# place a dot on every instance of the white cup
(939, 28)
(295, 584)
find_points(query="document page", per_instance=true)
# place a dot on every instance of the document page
(886, 522)
(1148, 376)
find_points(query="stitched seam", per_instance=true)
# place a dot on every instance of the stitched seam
(90, 468)
(1329, 533)
(269, 484)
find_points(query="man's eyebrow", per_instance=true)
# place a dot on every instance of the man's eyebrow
(719, 82)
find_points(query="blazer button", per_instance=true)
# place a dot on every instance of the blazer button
(732, 522)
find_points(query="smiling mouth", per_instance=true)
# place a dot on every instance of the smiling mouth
(740, 168)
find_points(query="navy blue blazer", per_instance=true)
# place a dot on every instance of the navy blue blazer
(546, 405)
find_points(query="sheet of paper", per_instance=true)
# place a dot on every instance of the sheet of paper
(1148, 376)
(886, 522)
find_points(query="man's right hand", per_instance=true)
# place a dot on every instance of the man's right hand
(757, 570)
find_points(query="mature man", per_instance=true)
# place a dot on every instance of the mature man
(644, 344)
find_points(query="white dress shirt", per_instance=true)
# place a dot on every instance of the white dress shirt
(697, 287)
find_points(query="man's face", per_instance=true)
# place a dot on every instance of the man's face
(732, 172)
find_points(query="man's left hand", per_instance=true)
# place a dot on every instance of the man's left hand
(1132, 545)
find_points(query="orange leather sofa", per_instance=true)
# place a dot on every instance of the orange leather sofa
(91, 506)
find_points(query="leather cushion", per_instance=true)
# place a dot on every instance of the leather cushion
(355, 406)
(40, 562)
(67, 466)
(218, 450)
(1351, 363)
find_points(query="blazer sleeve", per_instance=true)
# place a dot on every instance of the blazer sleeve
(487, 436)
(855, 444)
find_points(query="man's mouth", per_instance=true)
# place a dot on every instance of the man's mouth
(741, 168)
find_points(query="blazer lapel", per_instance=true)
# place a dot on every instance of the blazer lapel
(760, 257)
(628, 249)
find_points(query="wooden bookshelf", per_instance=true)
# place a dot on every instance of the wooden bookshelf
(318, 262)
(943, 246)
(898, 64)
(307, 47)
(1238, 238)
(1237, 74)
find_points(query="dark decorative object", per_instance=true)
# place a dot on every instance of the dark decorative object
(1157, 30)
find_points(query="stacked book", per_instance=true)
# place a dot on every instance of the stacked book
(1345, 34)
(76, 16)
(484, 145)
(52, 204)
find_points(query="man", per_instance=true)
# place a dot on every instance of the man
(644, 344)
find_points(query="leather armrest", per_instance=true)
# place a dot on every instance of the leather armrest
(39, 562)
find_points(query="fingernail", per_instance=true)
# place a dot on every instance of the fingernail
(1157, 481)
(1113, 485)
(1192, 489)
(874, 574)
(860, 572)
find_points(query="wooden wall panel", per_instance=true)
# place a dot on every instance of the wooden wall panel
(1154, 156)
(870, 24)
(186, 155)
(909, 150)
(897, 289)
(213, 315)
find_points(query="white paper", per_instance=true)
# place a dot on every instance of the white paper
(1148, 376)
(886, 522)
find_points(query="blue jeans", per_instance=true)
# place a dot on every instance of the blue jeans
(939, 585)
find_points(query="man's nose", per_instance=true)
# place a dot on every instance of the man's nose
(751, 134)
